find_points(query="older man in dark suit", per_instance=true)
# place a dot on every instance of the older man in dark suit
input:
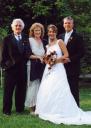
(75, 47)
(16, 51)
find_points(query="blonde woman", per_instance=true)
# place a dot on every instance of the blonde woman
(35, 66)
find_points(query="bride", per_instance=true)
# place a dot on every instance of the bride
(55, 102)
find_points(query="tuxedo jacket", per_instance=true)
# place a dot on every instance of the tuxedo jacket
(75, 47)
(12, 54)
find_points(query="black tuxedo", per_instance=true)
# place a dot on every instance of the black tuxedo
(76, 51)
(14, 59)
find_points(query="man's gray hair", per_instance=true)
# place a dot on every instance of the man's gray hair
(16, 21)
(68, 18)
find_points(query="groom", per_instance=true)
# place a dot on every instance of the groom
(74, 44)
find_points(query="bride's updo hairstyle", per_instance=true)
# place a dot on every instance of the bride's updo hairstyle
(53, 27)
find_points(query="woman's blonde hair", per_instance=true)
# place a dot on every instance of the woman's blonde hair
(31, 30)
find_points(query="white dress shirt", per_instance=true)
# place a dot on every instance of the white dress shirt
(67, 36)
(18, 36)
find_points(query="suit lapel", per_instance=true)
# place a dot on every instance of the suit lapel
(17, 44)
(70, 40)
(14, 40)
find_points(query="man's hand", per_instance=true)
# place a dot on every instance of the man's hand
(66, 60)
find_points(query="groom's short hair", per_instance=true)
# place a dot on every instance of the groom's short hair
(68, 18)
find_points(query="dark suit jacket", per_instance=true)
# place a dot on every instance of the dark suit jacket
(75, 47)
(11, 54)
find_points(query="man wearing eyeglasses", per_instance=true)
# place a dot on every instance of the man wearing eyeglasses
(16, 51)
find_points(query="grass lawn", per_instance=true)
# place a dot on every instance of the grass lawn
(28, 121)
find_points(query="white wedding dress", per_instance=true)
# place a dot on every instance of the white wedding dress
(55, 102)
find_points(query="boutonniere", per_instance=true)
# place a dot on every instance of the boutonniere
(70, 39)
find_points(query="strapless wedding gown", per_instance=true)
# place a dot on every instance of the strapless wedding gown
(55, 102)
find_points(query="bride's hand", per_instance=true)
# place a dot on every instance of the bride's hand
(45, 61)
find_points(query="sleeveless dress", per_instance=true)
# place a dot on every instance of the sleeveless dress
(33, 86)
(55, 102)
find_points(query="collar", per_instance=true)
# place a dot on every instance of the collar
(69, 33)
(17, 36)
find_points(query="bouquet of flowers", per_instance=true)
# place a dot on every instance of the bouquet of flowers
(50, 59)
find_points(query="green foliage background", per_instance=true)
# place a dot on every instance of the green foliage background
(50, 11)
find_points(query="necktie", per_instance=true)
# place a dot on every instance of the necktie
(20, 45)
(19, 38)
